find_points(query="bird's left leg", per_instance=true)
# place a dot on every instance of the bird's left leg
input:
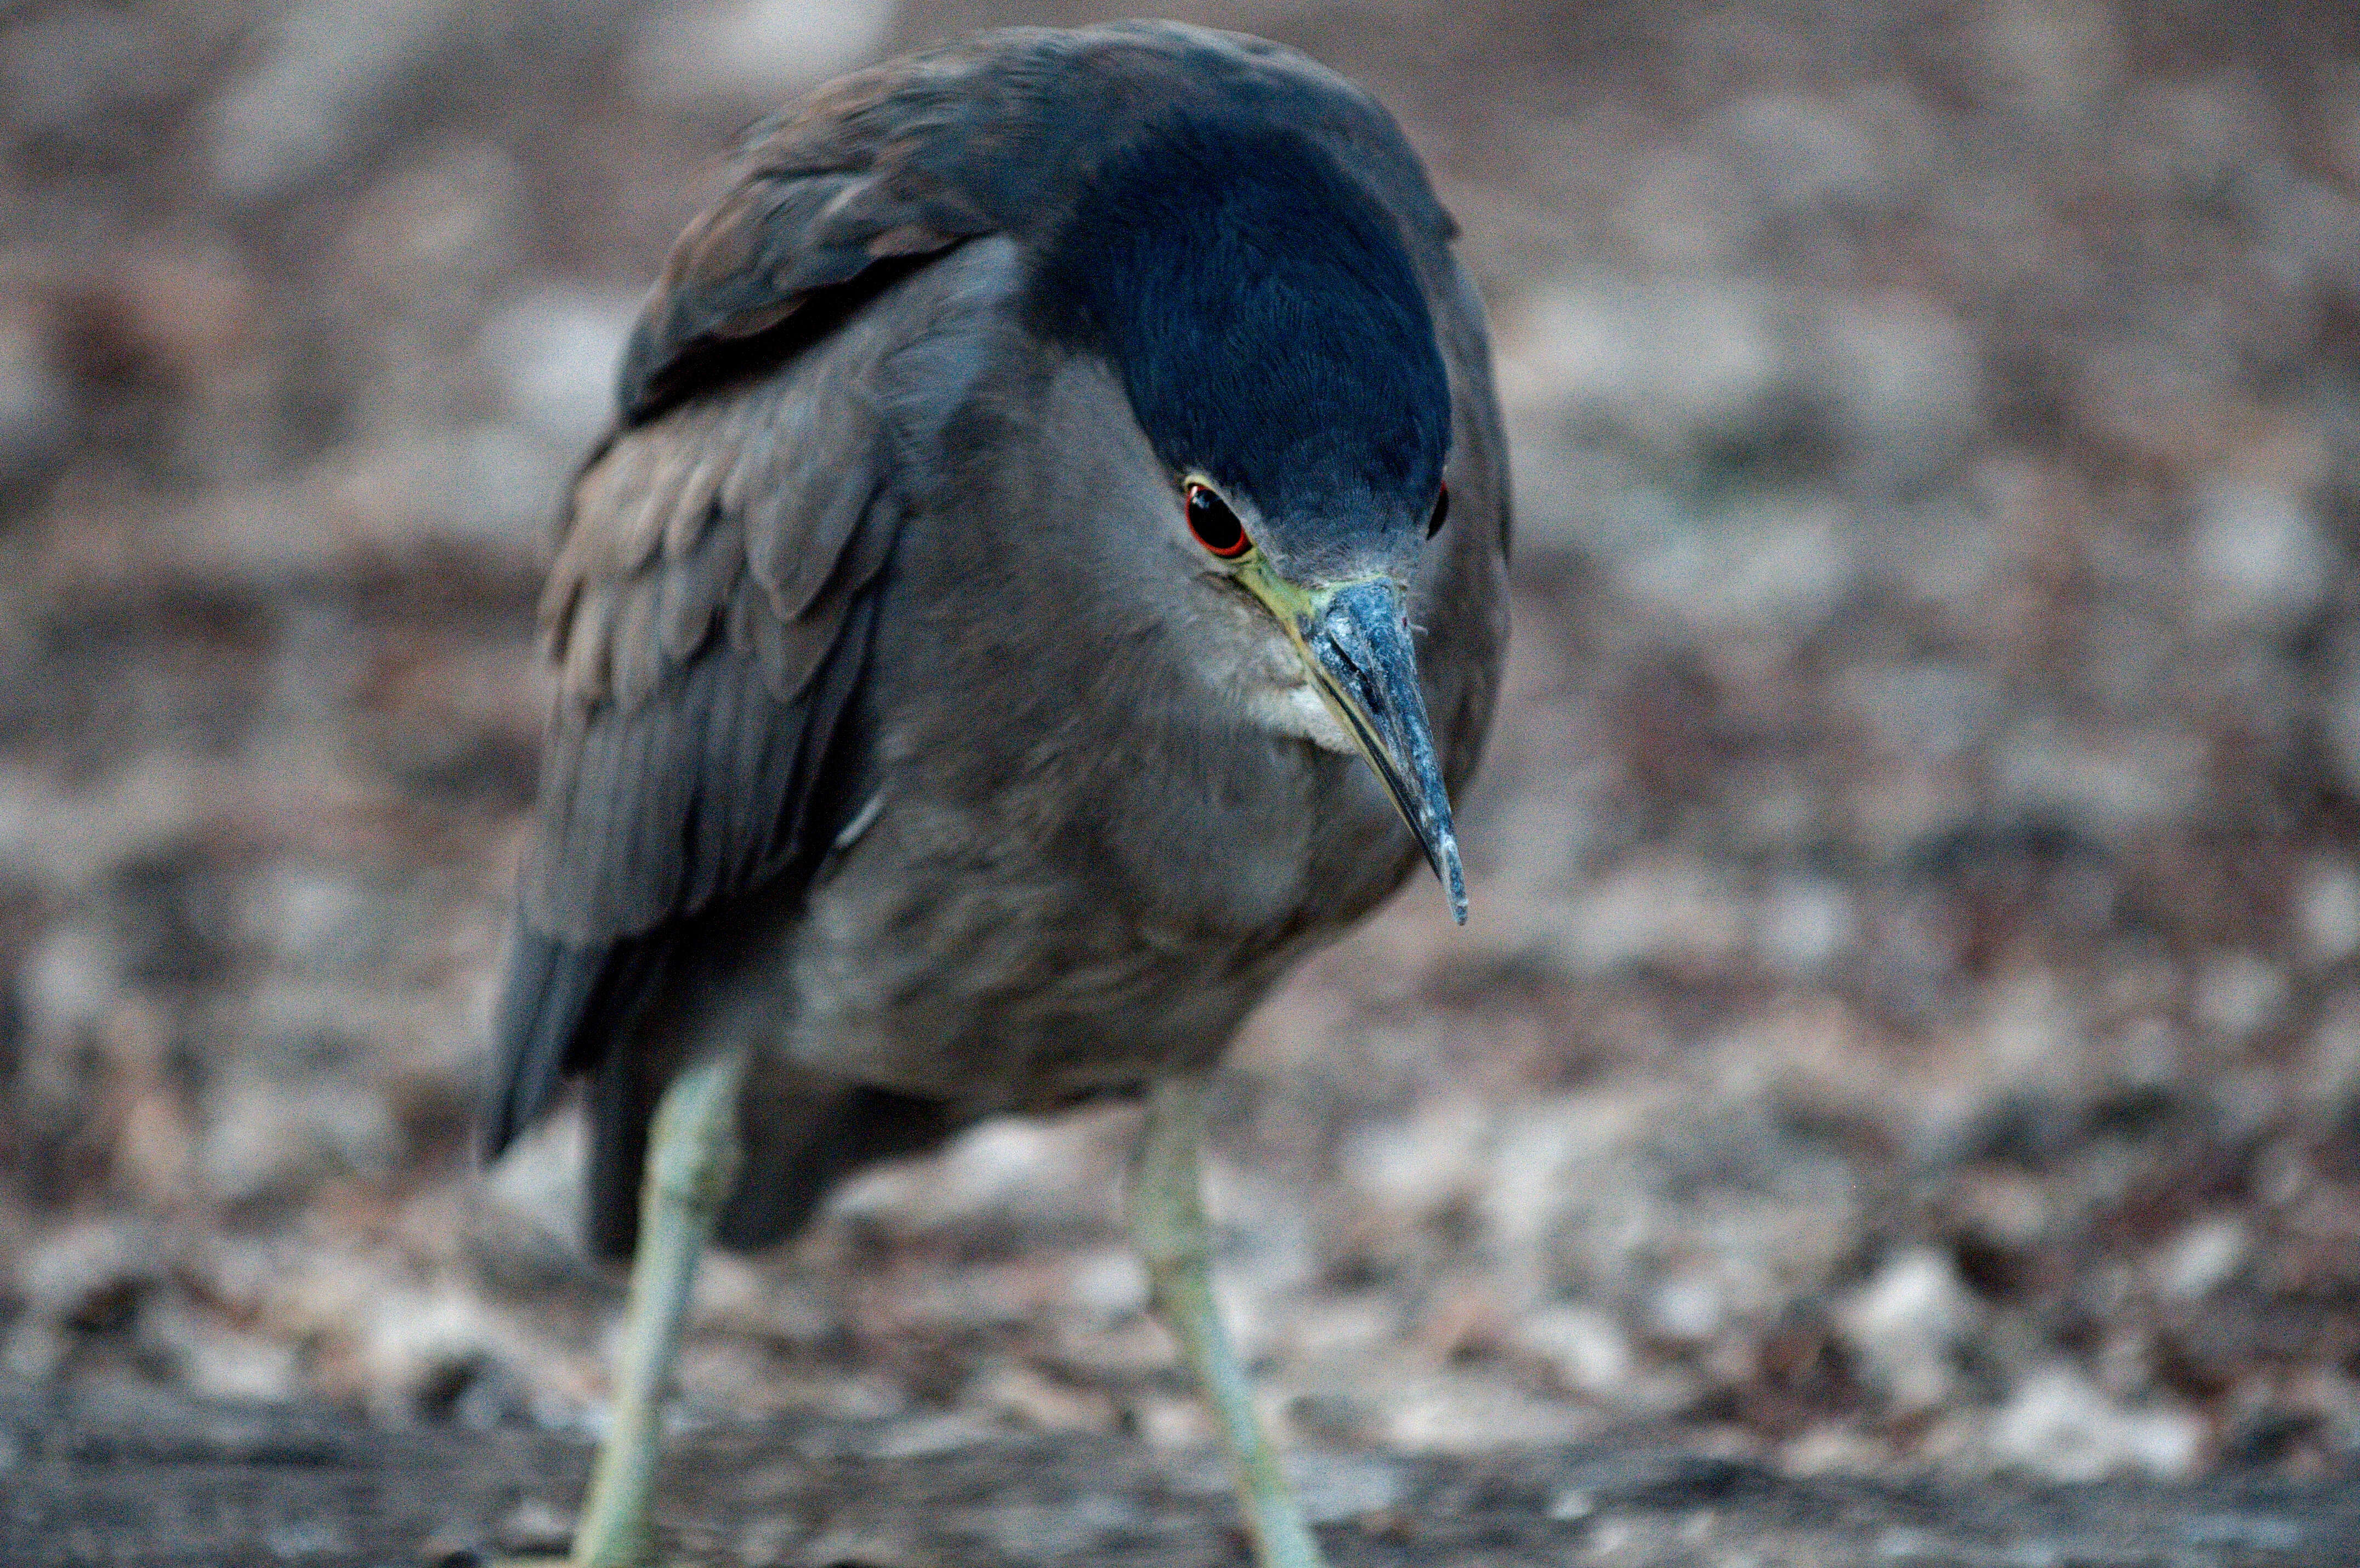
(693, 1155)
(1167, 1224)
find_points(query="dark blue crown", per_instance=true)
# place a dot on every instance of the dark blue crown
(1266, 321)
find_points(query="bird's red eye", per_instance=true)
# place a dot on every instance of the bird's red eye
(1215, 526)
(1441, 512)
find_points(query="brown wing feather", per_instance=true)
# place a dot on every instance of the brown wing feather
(706, 573)
(708, 617)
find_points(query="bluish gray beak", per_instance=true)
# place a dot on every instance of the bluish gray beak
(1366, 668)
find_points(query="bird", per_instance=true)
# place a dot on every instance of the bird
(1045, 575)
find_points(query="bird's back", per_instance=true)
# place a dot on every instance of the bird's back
(784, 790)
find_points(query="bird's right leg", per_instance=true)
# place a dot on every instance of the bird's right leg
(692, 1156)
(1167, 1225)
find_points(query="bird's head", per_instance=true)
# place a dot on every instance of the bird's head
(1264, 318)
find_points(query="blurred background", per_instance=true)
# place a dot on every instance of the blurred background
(1911, 1016)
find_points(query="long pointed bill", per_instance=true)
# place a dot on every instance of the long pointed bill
(1355, 641)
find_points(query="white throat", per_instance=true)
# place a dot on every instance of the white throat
(1277, 690)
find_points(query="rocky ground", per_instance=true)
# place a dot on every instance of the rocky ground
(1910, 1021)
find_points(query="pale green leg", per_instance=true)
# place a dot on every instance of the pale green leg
(1167, 1224)
(691, 1158)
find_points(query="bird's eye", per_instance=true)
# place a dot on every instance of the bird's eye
(1215, 526)
(1441, 513)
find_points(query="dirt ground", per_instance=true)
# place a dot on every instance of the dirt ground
(229, 1489)
(1909, 1029)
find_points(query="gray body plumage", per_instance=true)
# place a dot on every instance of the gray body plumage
(884, 739)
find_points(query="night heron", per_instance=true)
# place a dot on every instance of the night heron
(1045, 577)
